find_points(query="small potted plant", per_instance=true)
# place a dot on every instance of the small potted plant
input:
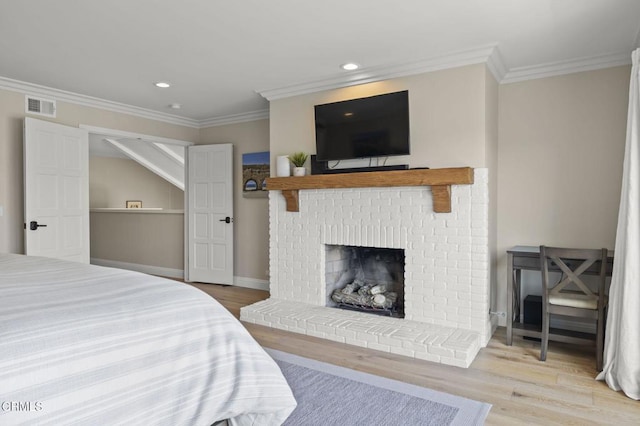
(298, 159)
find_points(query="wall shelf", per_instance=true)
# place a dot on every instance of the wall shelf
(440, 181)
(143, 210)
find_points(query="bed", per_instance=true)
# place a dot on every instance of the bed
(83, 344)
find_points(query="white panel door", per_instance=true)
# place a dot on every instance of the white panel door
(56, 190)
(209, 214)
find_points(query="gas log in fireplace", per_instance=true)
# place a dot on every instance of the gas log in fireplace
(366, 279)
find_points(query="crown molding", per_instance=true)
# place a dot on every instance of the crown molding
(90, 101)
(235, 118)
(453, 60)
(486, 54)
(78, 99)
(566, 67)
(496, 66)
(490, 55)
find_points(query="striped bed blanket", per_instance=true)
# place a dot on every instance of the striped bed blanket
(88, 345)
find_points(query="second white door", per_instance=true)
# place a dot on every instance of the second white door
(209, 214)
(56, 190)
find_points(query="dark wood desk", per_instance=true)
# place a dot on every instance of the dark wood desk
(527, 258)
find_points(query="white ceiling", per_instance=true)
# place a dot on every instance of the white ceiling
(220, 54)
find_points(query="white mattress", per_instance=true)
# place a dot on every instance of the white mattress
(82, 344)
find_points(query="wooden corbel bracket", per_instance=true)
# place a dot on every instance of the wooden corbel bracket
(291, 196)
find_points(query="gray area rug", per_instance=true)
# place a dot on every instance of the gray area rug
(332, 395)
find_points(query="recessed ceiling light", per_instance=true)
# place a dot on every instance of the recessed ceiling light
(162, 84)
(175, 106)
(350, 66)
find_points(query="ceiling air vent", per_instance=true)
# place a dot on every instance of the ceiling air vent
(40, 106)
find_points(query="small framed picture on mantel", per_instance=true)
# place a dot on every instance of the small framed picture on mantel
(134, 204)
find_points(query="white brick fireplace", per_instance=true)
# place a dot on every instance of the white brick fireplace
(446, 275)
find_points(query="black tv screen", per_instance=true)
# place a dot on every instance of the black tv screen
(377, 126)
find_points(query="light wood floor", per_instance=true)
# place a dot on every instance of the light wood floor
(521, 389)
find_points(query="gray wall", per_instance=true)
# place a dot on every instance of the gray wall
(557, 155)
(11, 121)
(113, 181)
(251, 215)
(553, 147)
(561, 146)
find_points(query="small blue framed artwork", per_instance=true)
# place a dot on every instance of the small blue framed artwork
(255, 171)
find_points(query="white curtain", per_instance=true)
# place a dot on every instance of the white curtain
(622, 344)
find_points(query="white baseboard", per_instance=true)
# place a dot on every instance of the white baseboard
(251, 283)
(176, 273)
(147, 269)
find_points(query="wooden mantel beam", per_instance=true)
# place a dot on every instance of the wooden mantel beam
(440, 181)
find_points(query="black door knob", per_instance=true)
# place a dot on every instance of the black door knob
(33, 225)
(226, 220)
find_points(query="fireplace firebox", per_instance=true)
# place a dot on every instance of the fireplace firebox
(366, 279)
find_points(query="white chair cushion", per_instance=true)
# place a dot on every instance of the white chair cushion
(573, 300)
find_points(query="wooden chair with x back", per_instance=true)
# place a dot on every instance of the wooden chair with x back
(571, 296)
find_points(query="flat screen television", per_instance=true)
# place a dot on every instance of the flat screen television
(377, 126)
